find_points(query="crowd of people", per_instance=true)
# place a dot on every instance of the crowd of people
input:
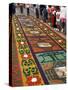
(53, 15)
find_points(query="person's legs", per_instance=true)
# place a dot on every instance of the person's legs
(27, 11)
(37, 13)
(58, 26)
(21, 9)
(64, 28)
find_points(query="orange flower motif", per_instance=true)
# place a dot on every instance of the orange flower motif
(36, 80)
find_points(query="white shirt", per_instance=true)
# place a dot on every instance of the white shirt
(58, 16)
(63, 12)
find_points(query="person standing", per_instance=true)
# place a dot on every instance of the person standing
(49, 13)
(58, 19)
(41, 7)
(21, 8)
(53, 17)
(27, 7)
(37, 13)
(45, 14)
(63, 19)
